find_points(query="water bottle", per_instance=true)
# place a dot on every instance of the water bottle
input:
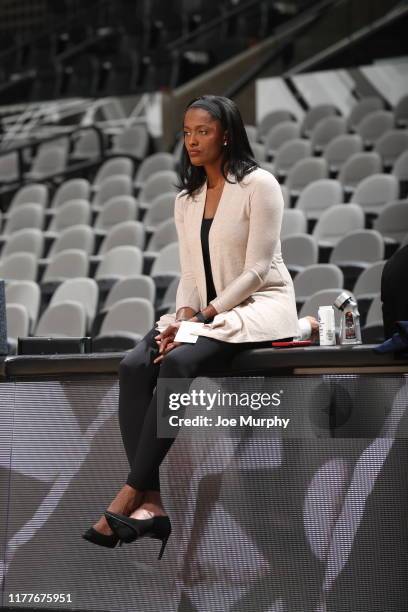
(350, 332)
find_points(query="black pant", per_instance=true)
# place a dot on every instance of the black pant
(138, 397)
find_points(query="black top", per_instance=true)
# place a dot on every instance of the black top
(205, 228)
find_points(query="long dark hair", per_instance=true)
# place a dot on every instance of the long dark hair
(238, 157)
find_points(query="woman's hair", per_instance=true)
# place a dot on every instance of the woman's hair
(238, 158)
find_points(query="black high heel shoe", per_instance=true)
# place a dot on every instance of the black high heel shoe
(128, 529)
(109, 541)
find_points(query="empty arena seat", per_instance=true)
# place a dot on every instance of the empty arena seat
(315, 278)
(289, 154)
(82, 290)
(116, 210)
(340, 149)
(362, 108)
(299, 251)
(18, 324)
(373, 192)
(374, 125)
(304, 172)
(66, 319)
(392, 222)
(325, 131)
(293, 222)
(30, 240)
(71, 189)
(319, 195)
(132, 141)
(152, 164)
(125, 324)
(116, 166)
(270, 120)
(28, 294)
(391, 145)
(314, 115)
(336, 221)
(19, 266)
(358, 167)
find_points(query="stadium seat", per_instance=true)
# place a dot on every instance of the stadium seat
(116, 210)
(315, 278)
(391, 145)
(259, 152)
(252, 133)
(270, 120)
(9, 170)
(157, 162)
(293, 222)
(340, 149)
(400, 169)
(70, 263)
(28, 294)
(373, 192)
(166, 266)
(22, 217)
(116, 166)
(81, 290)
(18, 325)
(79, 237)
(369, 282)
(120, 262)
(127, 233)
(164, 234)
(304, 172)
(318, 196)
(325, 131)
(74, 212)
(48, 162)
(110, 187)
(125, 324)
(401, 112)
(392, 222)
(314, 115)
(169, 298)
(29, 240)
(374, 125)
(165, 181)
(87, 146)
(336, 222)
(162, 209)
(362, 108)
(358, 249)
(289, 154)
(18, 266)
(280, 134)
(299, 251)
(132, 141)
(72, 189)
(137, 286)
(29, 194)
(66, 319)
(358, 167)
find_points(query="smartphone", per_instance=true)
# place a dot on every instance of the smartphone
(291, 344)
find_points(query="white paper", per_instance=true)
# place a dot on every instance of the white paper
(187, 331)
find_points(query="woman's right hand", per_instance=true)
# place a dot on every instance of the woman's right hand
(167, 336)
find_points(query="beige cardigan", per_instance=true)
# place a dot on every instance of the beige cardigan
(255, 297)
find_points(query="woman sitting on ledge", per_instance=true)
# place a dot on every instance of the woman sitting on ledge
(228, 218)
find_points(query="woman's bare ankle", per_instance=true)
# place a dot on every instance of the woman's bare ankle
(151, 506)
(125, 502)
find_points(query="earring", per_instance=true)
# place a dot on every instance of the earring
(225, 143)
